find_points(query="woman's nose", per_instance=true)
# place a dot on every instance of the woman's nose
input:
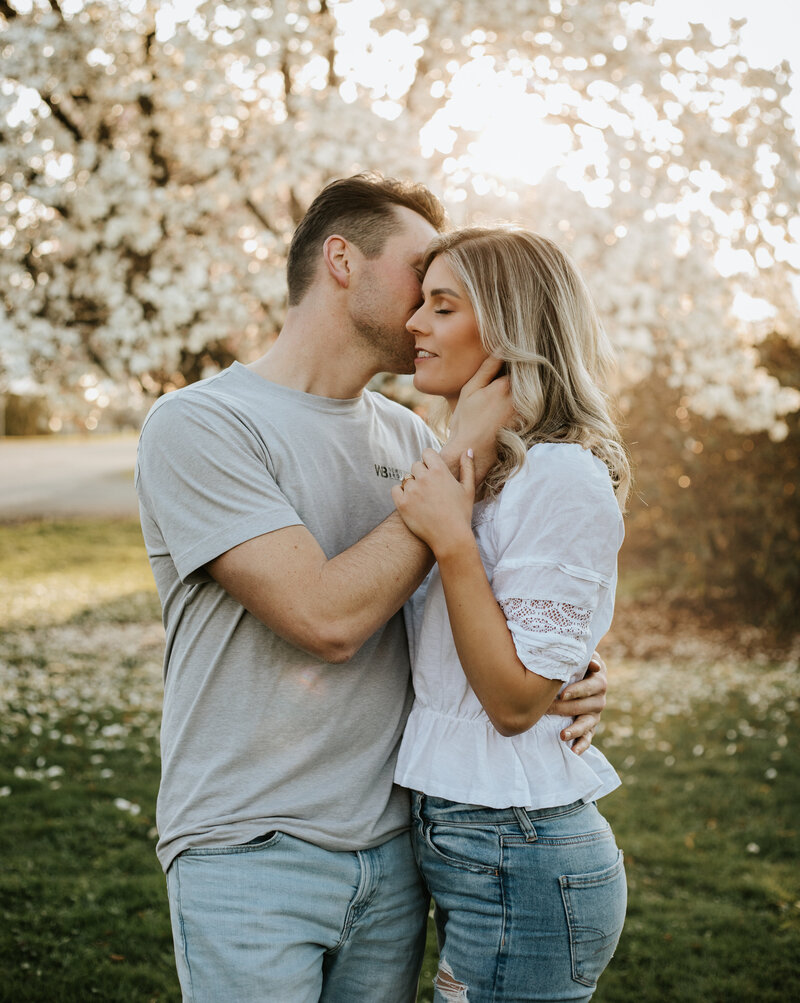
(413, 324)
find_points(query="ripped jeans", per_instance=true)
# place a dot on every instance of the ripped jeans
(529, 904)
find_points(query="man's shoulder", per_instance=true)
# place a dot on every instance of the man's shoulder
(219, 392)
(380, 400)
(399, 414)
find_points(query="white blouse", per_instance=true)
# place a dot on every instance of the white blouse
(549, 545)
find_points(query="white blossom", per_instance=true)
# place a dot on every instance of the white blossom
(156, 160)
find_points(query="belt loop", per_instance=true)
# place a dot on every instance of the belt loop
(526, 825)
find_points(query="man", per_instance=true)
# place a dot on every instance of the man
(281, 567)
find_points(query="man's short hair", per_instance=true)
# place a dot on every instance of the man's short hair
(360, 209)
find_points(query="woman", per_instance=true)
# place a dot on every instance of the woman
(527, 879)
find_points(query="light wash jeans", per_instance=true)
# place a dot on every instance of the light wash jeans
(529, 904)
(283, 921)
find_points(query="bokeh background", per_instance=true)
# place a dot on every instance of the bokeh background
(154, 160)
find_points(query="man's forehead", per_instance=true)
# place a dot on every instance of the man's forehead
(415, 233)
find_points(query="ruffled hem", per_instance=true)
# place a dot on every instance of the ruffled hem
(467, 760)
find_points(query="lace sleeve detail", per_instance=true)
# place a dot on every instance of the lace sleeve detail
(544, 616)
(551, 637)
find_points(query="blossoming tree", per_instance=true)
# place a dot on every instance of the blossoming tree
(156, 156)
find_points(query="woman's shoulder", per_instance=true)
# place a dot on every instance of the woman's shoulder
(562, 494)
(567, 462)
(561, 455)
(559, 473)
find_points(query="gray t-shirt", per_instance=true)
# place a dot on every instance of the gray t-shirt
(257, 734)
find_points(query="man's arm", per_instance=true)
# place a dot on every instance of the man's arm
(330, 607)
(326, 607)
(585, 700)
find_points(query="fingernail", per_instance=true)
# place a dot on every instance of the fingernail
(567, 735)
(470, 454)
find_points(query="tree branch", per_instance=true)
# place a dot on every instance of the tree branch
(330, 55)
(296, 208)
(61, 116)
(157, 158)
(287, 80)
(259, 215)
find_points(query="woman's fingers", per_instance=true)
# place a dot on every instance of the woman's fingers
(484, 375)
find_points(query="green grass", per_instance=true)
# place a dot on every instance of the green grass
(53, 571)
(711, 848)
(708, 815)
(82, 899)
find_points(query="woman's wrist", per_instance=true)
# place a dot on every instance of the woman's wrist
(455, 548)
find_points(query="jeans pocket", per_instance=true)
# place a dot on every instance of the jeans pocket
(595, 909)
(267, 839)
(465, 847)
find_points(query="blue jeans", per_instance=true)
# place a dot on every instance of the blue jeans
(283, 921)
(529, 904)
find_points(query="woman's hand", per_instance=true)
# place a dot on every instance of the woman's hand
(484, 407)
(434, 505)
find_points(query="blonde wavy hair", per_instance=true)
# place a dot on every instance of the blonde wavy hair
(534, 311)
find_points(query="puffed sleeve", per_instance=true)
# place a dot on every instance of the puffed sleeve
(558, 531)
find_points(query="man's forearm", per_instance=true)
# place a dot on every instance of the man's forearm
(362, 587)
(328, 607)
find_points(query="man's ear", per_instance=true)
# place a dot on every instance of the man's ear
(336, 252)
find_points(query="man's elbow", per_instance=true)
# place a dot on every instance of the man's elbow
(331, 644)
(337, 654)
(329, 641)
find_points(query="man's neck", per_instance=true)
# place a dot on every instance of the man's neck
(315, 355)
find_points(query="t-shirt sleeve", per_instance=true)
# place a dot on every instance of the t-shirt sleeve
(558, 532)
(204, 482)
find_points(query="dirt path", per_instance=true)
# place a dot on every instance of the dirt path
(67, 477)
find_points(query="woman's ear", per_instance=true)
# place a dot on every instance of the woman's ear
(336, 253)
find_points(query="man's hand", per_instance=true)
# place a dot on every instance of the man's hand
(484, 407)
(584, 700)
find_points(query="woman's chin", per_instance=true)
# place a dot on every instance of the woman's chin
(421, 384)
(432, 389)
